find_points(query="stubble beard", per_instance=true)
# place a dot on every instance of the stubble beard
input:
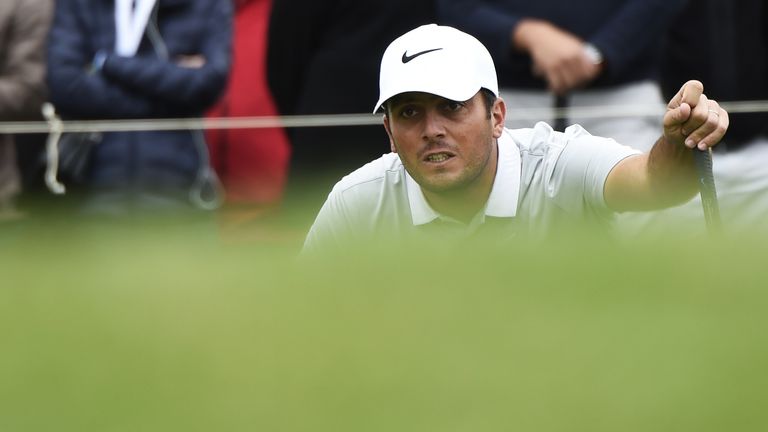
(450, 183)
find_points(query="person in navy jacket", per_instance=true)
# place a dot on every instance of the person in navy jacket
(179, 69)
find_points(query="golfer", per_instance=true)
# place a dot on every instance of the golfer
(455, 170)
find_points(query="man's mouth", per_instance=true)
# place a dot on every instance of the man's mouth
(438, 157)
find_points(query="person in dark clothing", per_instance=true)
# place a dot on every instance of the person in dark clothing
(323, 57)
(170, 60)
(725, 44)
(557, 53)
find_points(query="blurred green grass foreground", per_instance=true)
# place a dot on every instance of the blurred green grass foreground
(173, 328)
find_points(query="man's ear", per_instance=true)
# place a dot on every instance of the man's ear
(389, 134)
(498, 116)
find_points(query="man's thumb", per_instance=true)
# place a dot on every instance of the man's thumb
(678, 115)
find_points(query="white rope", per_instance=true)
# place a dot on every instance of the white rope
(52, 150)
(513, 113)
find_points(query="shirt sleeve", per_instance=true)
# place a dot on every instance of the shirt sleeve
(331, 227)
(625, 38)
(581, 167)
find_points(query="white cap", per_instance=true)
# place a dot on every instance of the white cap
(439, 60)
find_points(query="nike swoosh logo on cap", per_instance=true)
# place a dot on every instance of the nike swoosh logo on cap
(407, 58)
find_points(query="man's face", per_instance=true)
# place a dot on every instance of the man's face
(445, 145)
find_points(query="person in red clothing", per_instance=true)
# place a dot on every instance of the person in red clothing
(251, 163)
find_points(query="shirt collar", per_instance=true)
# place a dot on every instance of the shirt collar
(505, 191)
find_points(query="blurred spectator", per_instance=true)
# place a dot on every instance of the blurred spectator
(323, 58)
(252, 163)
(157, 59)
(724, 44)
(560, 53)
(24, 26)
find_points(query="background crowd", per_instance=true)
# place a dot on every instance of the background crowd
(216, 58)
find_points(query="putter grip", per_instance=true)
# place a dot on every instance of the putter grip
(709, 203)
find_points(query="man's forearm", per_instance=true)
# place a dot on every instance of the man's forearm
(671, 173)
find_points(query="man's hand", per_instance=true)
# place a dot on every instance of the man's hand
(694, 120)
(666, 176)
(195, 61)
(558, 56)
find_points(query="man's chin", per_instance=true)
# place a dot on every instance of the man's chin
(442, 184)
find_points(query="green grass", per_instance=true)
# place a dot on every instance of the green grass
(174, 327)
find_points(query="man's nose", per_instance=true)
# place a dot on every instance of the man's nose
(434, 125)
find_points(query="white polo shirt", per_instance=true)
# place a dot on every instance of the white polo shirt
(544, 180)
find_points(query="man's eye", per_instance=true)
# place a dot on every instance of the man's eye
(454, 106)
(407, 112)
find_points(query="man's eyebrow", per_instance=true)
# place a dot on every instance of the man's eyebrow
(405, 100)
(402, 101)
